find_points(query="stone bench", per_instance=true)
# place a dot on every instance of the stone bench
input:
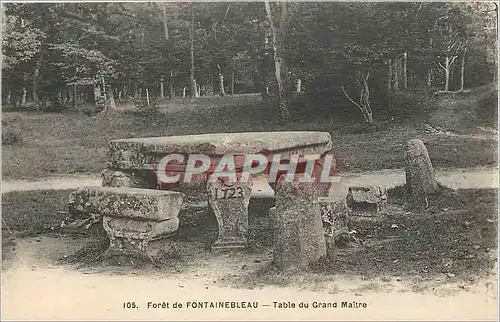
(131, 217)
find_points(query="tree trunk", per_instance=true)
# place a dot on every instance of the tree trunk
(60, 97)
(262, 84)
(98, 97)
(162, 89)
(147, 96)
(447, 73)
(389, 75)
(222, 92)
(36, 75)
(110, 98)
(194, 91)
(184, 92)
(8, 96)
(420, 180)
(462, 70)
(43, 102)
(171, 84)
(163, 8)
(299, 85)
(429, 72)
(281, 73)
(232, 82)
(448, 63)
(396, 74)
(364, 101)
(25, 96)
(405, 75)
(74, 96)
(389, 82)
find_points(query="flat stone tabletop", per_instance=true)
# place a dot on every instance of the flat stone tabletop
(226, 143)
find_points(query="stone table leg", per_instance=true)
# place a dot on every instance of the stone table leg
(229, 203)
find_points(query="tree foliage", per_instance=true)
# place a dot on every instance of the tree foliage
(57, 51)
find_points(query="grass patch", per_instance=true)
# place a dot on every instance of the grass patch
(10, 136)
(451, 241)
(33, 212)
(454, 235)
(462, 112)
(74, 142)
(8, 246)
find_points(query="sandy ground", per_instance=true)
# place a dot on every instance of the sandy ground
(34, 287)
(453, 178)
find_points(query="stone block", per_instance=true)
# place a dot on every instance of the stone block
(374, 197)
(131, 237)
(139, 229)
(145, 204)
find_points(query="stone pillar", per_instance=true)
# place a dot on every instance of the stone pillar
(229, 203)
(420, 180)
(299, 237)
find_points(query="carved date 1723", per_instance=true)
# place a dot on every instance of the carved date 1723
(228, 193)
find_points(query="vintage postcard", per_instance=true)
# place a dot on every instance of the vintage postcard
(249, 160)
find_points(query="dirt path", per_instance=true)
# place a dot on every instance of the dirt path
(55, 183)
(453, 178)
(35, 288)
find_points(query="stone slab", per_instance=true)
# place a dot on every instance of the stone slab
(145, 153)
(141, 204)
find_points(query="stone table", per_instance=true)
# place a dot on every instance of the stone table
(133, 163)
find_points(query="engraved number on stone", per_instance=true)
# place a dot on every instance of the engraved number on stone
(228, 193)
